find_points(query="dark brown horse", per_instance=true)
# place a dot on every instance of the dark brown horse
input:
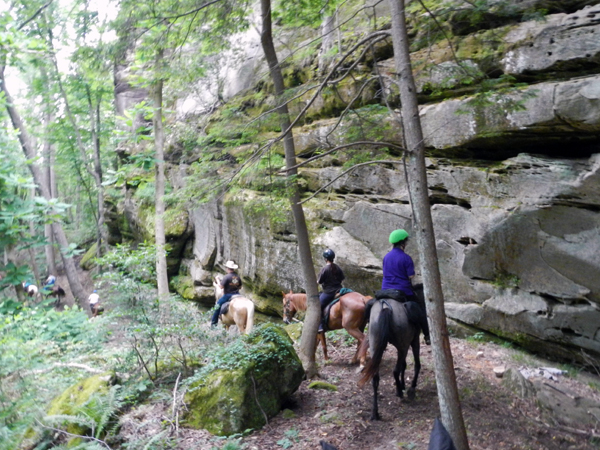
(54, 291)
(348, 313)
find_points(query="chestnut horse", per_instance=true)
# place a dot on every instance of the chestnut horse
(240, 311)
(347, 313)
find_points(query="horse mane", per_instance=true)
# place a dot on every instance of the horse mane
(300, 301)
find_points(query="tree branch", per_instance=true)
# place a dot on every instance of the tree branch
(322, 188)
(37, 13)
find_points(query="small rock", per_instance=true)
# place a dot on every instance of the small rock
(499, 371)
(479, 355)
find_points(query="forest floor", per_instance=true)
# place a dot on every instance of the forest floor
(495, 417)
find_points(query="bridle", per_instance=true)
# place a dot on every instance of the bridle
(288, 313)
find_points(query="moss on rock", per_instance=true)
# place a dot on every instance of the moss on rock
(87, 262)
(67, 403)
(176, 222)
(246, 383)
(184, 286)
(323, 385)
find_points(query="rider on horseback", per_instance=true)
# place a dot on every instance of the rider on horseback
(330, 278)
(231, 285)
(398, 271)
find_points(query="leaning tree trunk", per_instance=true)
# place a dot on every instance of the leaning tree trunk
(159, 143)
(313, 312)
(449, 401)
(38, 178)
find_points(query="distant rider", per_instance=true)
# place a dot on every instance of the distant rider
(398, 271)
(94, 300)
(50, 281)
(231, 285)
(330, 278)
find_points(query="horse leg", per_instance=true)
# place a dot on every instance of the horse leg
(399, 375)
(321, 338)
(356, 333)
(413, 385)
(375, 409)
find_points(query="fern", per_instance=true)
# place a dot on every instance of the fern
(96, 414)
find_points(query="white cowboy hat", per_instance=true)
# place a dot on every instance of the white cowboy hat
(231, 265)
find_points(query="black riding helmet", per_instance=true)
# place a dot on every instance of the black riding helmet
(329, 255)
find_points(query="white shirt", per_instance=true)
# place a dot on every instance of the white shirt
(93, 298)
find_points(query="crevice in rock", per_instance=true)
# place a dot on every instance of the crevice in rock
(569, 332)
(465, 240)
(575, 204)
(445, 199)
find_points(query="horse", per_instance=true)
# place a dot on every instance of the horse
(240, 311)
(31, 290)
(54, 291)
(390, 322)
(348, 313)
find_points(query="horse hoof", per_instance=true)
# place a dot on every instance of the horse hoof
(359, 369)
(411, 394)
(375, 416)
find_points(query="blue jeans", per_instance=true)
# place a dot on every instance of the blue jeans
(325, 299)
(224, 299)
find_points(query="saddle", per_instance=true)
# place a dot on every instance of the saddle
(225, 306)
(338, 295)
(393, 294)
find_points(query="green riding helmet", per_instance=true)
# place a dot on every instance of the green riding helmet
(398, 236)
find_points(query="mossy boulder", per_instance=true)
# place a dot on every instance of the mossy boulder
(67, 404)
(87, 262)
(246, 383)
(71, 399)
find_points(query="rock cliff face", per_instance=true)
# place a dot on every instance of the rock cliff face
(514, 181)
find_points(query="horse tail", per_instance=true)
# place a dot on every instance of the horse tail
(382, 337)
(250, 317)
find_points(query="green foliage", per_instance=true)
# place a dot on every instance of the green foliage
(303, 12)
(503, 94)
(43, 323)
(291, 436)
(371, 122)
(128, 263)
(505, 280)
(52, 340)
(161, 338)
(19, 213)
(477, 337)
(236, 354)
(96, 417)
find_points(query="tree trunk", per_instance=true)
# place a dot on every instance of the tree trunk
(327, 42)
(102, 235)
(38, 178)
(162, 279)
(313, 312)
(450, 408)
(48, 154)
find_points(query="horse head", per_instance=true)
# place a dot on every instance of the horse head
(289, 309)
